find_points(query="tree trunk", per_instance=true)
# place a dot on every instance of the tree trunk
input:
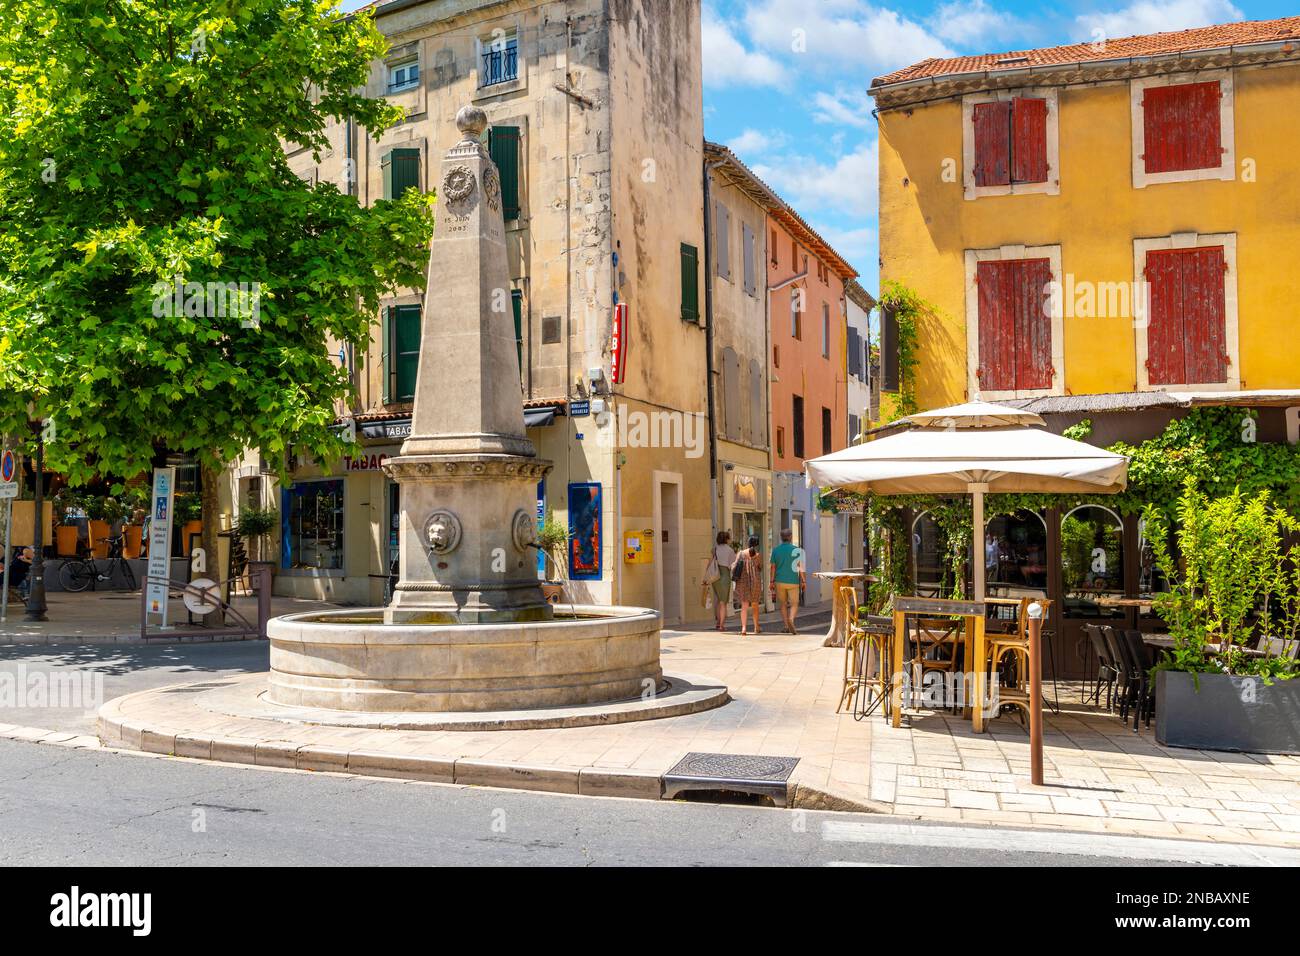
(211, 518)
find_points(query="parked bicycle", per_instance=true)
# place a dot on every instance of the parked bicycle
(83, 571)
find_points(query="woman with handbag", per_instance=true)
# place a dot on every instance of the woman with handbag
(724, 556)
(748, 574)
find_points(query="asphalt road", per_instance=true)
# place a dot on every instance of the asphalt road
(60, 806)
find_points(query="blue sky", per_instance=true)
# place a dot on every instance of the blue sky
(785, 81)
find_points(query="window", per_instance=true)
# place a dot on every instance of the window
(780, 441)
(854, 367)
(499, 59)
(889, 368)
(828, 439)
(797, 425)
(1010, 144)
(690, 261)
(1015, 333)
(776, 255)
(503, 147)
(1190, 334)
(826, 330)
(1014, 325)
(312, 515)
(401, 332)
(517, 307)
(721, 245)
(401, 171)
(854, 428)
(404, 75)
(796, 313)
(747, 251)
(1182, 128)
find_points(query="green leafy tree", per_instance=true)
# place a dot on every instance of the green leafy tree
(142, 143)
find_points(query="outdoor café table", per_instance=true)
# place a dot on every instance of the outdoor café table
(1165, 642)
(975, 649)
(841, 580)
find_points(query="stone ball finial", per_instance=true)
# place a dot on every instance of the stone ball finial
(471, 121)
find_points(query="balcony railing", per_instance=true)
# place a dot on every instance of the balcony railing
(500, 65)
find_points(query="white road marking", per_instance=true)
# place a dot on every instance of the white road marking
(1052, 841)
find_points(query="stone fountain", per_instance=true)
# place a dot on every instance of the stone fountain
(468, 629)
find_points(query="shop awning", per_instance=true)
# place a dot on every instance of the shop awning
(540, 416)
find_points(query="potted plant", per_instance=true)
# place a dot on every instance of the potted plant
(135, 502)
(189, 516)
(255, 526)
(67, 509)
(553, 541)
(1236, 584)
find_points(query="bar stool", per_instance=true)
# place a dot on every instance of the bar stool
(859, 643)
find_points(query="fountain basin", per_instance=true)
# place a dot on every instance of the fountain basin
(351, 660)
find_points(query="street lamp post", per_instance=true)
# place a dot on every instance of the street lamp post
(36, 606)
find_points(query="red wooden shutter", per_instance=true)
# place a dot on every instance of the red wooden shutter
(997, 330)
(1203, 316)
(1181, 127)
(1165, 358)
(992, 144)
(1033, 329)
(1029, 140)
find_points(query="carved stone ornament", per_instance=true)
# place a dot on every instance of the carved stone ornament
(492, 187)
(458, 184)
(524, 530)
(442, 532)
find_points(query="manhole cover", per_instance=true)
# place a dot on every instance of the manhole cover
(742, 773)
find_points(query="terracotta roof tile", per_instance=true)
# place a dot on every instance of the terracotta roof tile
(1182, 41)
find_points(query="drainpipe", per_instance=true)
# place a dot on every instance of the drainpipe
(708, 345)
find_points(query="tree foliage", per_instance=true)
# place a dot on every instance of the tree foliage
(144, 141)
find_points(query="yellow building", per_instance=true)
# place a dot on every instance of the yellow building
(1013, 179)
(596, 125)
(1105, 232)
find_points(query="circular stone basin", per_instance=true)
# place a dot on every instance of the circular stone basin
(351, 660)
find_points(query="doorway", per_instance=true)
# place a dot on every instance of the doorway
(668, 513)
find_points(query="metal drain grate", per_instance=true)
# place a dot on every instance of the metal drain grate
(742, 773)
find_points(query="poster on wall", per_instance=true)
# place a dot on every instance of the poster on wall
(584, 531)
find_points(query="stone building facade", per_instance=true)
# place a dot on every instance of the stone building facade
(595, 124)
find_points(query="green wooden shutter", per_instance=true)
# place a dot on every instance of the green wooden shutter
(690, 284)
(517, 302)
(503, 147)
(406, 351)
(401, 170)
(385, 345)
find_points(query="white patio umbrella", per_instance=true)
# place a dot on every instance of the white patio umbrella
(976, 448)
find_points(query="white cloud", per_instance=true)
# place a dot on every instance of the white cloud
(1156, 16)
(828, 34)
(752, 142)
(726, 62)
(858, 246)
(846, 186)
(967, 22)
(844, 107)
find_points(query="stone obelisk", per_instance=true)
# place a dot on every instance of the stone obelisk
(468, 472)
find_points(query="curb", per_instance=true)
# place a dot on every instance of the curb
(116, 732)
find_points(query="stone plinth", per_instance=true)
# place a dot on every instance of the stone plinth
(348, 660)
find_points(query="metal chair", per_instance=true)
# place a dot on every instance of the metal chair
(1128, 675)
(1107, 670)
(1144, 695)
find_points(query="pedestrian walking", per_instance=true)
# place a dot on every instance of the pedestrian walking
(787, 578)
(748, 574)
(719, 571)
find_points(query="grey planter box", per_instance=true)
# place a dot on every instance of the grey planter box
(1228, 713)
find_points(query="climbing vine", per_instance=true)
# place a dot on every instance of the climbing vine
(907, 307)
